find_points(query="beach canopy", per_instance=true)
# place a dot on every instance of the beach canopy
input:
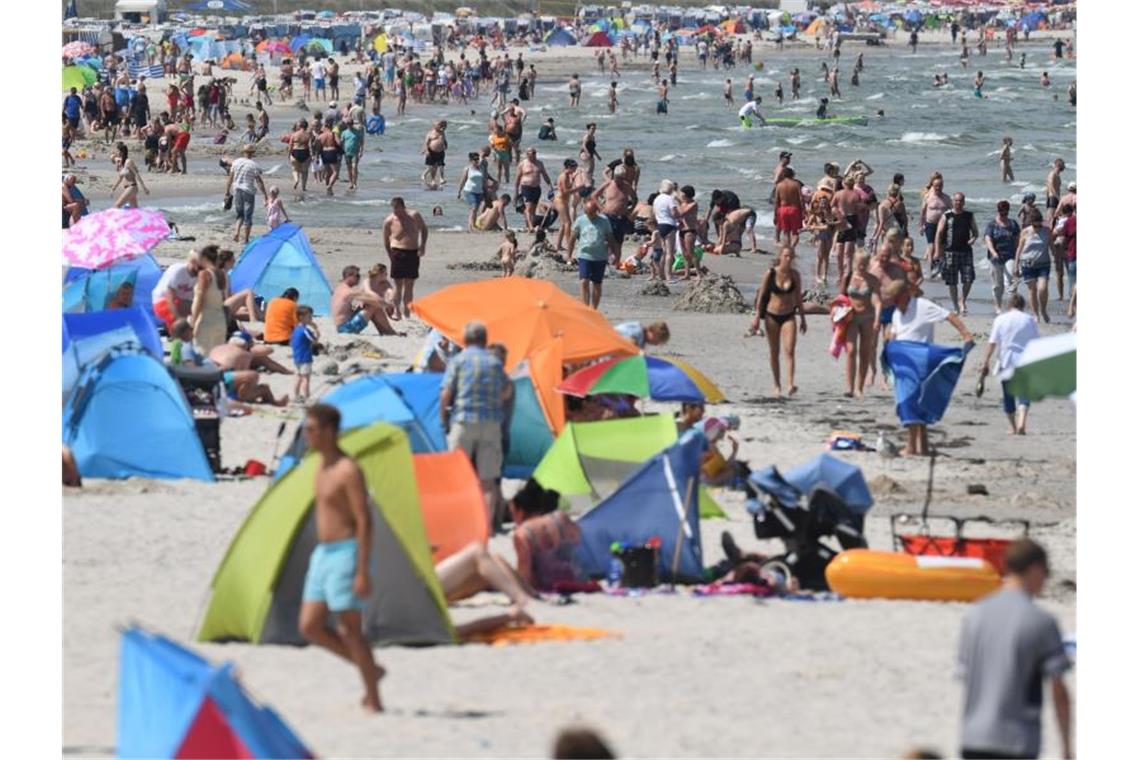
(589, 460)
(280, 259)
(173, 703)
(643, 376)
(845, 480)
(598, 39)
(924, 376)
(104, 238)
(89, 289)
(524, 315)
(87, 337)
(126, 417)
(560, 37)
(452, 502)
(1047, 367)
(256, 592)
(656, 501)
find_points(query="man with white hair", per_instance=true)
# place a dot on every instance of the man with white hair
(471, 403)
(667, 215)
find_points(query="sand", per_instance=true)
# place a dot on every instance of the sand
(691, 677)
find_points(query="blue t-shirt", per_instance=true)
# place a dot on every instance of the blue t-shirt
(301, 341)
(72, 105)
(592, 237)
(1005, 238)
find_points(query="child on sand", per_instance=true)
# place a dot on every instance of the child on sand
(911, 264)
(304, 342)
(182, 349)
(275, 214)
(379, 284)
(541, 246)
(507, 252)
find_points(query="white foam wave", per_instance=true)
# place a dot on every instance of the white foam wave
(720, 144)
(876, 96)
(923, 137)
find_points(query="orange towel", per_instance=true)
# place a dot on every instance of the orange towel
(531, 634)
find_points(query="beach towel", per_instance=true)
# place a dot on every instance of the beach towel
(733, 589)
(531, 634)
(924, 376)
(840, 319)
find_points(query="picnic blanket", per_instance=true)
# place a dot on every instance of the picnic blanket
(531, 634)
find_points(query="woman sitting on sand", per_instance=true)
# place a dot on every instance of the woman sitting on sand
(240, 306)
(778, 300)
(862, 288)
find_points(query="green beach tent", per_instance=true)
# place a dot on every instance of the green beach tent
(589, 460)
(256, 593)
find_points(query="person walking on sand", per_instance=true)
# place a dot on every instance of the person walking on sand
(405, 241)
(339, 577)
(1032, 262)
(1002, 236)
(1007, 648)
(954, 245)
(592, 242)
(243, 181)
(1011, 332)
(789, 199)
(778, 300)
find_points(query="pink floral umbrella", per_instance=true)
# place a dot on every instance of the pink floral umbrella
(99, 240)
(77, 49)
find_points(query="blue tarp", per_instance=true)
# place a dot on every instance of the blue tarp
(87, 337)
(924, 378)
(651, 503)
(163, 688)
(127, 417)
(283, 259)
(843, 479)
(88, 289)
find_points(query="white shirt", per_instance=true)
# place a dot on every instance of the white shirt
(665, 209)
(917, 322)
(318, 69)
(748, 109)
(177, 278)
(1011, 332)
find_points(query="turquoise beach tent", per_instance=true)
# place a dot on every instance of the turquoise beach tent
(87, 337)
(530, 435)
(658, 500)
(126, 417)
(88, 289)
(173, 703)
(283, 259)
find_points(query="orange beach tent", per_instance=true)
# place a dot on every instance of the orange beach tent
(451, 501)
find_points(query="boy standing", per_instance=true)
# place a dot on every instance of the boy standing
(303, 341)
(338, 579)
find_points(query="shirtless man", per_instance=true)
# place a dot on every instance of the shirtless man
(563, 193)
(239, 362)
(495, 217)
(732, 230)
(300, 155)
(339, 575)
(405, 240)
(935, 203)
(513, 118)
(847, 205)
(575, 90)
(528, 183)
(795, 84)
(789, 208)
(1005, 159)
(434, 148)
(330, 155)
(381, 285)
(614, 198)
(1053, 191)
(355, 307)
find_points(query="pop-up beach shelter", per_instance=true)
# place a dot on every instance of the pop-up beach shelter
(560, 37)
(589, 460)
(408, 400)
(598, 39)
(89, 289)
(655, 501)
(530, 436)
(452, 502)
(256, 592)
(86, 337)
(175, 704)
(282, 259)
(127, 417)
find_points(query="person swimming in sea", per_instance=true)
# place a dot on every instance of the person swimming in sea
(821, 112)
(979, 83)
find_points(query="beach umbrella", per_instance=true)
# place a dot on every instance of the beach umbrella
(326, 14)
(1047, 367)
(73, 77)
(643, 376)
(524, 315)
(77, 49)
(99, 240)
(380, 44)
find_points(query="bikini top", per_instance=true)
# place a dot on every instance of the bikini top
(773, 287)
(860, 293)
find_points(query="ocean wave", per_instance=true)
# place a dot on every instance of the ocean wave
(876, 96)
(720, 144)
(797, 140)
(923, 137)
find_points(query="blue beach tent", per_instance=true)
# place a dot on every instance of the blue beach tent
(282, 259)
(127, 417)
(88, 289)
(651, 503)
(173, 703)
(87, 337)
(407, 400)
(845, 480)
(530, 435)
(560, 37)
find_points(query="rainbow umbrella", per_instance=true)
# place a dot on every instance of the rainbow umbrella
(643, 376)
(99, 240)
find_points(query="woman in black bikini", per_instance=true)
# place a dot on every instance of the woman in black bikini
(779, 299)
(300, 155)
(862, 288)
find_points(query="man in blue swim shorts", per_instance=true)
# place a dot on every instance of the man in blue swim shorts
(339, 576)
(354, 306)
(592, 241)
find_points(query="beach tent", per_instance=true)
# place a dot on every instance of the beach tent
(280, 259)
(452, 502)
(88, 289)
(1033, 21)
(126, 417)
(560, 37)
(818, 26)
(87, 337)
(319, 45)
(598, 39)
(407, 400)
(256, 592)
(380, 43)
(173, 703)
(77, 77)
(655, 501)
(530, 436)
(734, 26)
(589, 460)
(299, 42)
(845, 480)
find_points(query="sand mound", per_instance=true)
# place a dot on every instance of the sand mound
(881, 485)
(655, 288)
(817, 296)
(542, 268)
(713, 294)
(477, 266)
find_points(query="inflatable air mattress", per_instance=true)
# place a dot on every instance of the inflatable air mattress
(868, 574)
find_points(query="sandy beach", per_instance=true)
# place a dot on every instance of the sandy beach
(690, 676)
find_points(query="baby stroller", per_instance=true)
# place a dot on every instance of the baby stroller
(826, 498)
(202, 388)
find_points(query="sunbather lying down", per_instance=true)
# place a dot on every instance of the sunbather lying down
(544, 539)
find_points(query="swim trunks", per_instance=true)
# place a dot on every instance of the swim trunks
(851, 233)
(355, 324)
(789, 219)
(332, 568)
(594, 271)
(531, 193)
(434, 158)
(405, 264)
(960, 265)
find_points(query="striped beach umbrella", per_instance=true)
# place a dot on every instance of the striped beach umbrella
(645, 377)
(1047, 367)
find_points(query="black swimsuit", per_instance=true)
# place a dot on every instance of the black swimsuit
(779, 319)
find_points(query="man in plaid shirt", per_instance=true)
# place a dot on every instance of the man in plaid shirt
(471, 401)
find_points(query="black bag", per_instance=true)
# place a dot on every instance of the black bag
(228, 202)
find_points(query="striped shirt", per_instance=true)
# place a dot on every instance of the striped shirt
(476, 380)
(245, 172)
